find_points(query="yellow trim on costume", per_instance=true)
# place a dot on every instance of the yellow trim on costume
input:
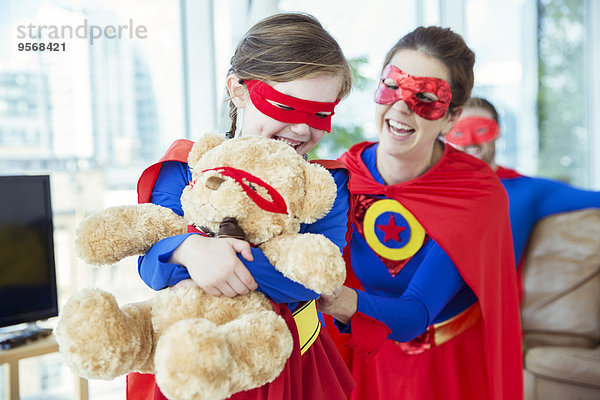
(442, 332)
(308, 324)
(452, 327)
(417, 233)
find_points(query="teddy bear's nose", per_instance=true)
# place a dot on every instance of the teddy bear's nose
(214, 182)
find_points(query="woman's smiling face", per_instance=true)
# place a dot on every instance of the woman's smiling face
(401, 130)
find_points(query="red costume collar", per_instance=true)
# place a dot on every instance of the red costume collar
(292, 109)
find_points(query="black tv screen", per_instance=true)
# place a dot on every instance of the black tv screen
(27, 271)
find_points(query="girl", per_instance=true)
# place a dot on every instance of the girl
(286, 76)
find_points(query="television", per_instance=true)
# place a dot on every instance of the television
(28, 291)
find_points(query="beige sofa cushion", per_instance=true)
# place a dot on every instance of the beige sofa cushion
(578, 366)
(561, 281)
(539, 388)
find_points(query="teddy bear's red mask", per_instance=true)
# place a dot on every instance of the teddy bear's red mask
(249, 184)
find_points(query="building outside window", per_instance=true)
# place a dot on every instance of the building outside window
(92, 115)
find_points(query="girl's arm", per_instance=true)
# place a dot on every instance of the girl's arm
(213, 262)
(164, 264)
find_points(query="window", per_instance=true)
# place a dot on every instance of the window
(92, 114)
(563, 97)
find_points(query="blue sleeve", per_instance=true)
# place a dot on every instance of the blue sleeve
(532, 199)
(334, 224)
(154, 268)
(555, 197)
(158, 273)
(433, 285)
(173, 177)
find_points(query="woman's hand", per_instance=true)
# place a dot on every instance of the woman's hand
(341, 305)
(214, 266)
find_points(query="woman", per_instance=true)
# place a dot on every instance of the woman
(286, 76)
(433, 311)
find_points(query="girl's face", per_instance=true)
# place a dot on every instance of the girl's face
(321, 88)
(401, 131)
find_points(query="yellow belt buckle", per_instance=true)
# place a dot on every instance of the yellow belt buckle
(308, 324)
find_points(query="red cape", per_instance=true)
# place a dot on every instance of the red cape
(507, 173)
(464, 208)
(178, 151)
(314, 375)
(320, 373)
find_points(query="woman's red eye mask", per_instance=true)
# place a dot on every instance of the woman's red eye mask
(292, 109)
(414, 90)
(470, 131)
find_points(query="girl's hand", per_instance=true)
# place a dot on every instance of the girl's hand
(214, 266)
(341, 305)
(184, 284)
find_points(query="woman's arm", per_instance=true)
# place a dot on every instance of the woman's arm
(555, 197)
(434, 284)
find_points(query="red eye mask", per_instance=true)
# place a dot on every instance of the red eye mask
(471, 131)
(409, 90)
(294, 111)
(275, 205)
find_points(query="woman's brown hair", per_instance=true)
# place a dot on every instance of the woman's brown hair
(448, 47)
(286, 47)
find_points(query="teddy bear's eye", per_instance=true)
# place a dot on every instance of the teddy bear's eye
(251, 186)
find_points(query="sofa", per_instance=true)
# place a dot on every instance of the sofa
(561, 308)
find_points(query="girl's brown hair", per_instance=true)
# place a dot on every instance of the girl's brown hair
(286, 47)
(448, 47)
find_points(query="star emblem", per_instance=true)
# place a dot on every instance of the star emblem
(391, 230)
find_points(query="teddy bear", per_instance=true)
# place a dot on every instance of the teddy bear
(197, 345)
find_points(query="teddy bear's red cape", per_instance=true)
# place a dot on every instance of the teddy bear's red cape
(320, 373)
(447, 201)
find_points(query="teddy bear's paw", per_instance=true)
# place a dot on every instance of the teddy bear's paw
(111, 235)
(260, 344)
(95, 337)
(193, 361)
(310, 259)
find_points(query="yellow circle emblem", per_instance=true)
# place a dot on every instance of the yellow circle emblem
(392, 231)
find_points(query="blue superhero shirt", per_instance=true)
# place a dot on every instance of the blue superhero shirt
(427, 290)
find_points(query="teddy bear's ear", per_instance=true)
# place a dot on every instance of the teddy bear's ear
(320, 193)
(203, 145)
